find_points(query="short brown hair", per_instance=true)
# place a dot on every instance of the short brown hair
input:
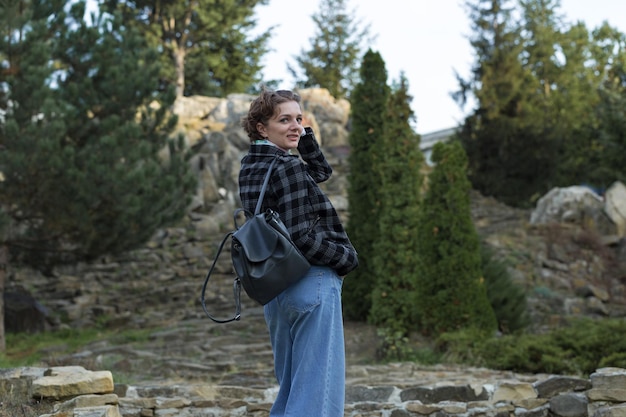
(263, 108)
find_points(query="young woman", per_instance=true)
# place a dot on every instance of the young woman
(305, 321)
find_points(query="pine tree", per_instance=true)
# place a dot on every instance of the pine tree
(566, 93)
(83, 139)
(494, 137)
(606, 138)
(536, 87)
(395, 250)
(335, 54)
(451, 291)
(507, 298)
(367, 138)
(205, 43)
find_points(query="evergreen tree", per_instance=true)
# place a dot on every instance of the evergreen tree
(83, 139)
(335, 54)
(608, 135)
(205, 44)
(367, 139)
(451, 291)
(395, 250)
(558, 57)
(536, 88)
(499, 146)
(507, 299)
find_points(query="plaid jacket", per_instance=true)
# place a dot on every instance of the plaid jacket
(303, 207)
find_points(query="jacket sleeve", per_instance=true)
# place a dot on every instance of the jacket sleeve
(317, 232)
(317, 166)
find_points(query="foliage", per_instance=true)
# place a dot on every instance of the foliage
(451, 290)
(507, 299)
(333, 60)
(395, 346)
(543, 117)
(205, 44)
(508, 156)
(609, 136)
(577, 349)
(395, 249)
(367, 137)
(84, 139)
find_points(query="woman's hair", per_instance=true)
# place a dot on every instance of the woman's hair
(263, 108)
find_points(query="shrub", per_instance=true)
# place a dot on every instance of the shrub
(577, 349)
(507, 299)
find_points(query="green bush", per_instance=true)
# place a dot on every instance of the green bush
(578, 349)
(394, 345)
(507, 299)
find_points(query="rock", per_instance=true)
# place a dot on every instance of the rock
(557, 384)
(615, 206)
(569, 405)
(64, 382)
(608, 384)
(573, 205)
(512, 391)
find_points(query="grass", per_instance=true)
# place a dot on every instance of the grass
(43, 349)
(25, 349)
(18, 408)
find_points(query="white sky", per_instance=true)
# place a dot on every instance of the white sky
(427, 39)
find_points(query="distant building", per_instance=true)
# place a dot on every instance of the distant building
(429, 140)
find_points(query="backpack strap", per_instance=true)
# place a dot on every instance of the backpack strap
(237, 282)
(236, 288)
(259, 202)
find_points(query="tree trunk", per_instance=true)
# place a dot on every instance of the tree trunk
(179, 59)
(3, 270)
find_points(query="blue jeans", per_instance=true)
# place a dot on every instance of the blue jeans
(306, 330)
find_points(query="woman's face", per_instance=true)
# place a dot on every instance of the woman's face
(284, 128)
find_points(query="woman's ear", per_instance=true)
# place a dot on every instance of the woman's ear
(260, 127)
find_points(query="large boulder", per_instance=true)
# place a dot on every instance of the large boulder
(615, 206)
(577, 205)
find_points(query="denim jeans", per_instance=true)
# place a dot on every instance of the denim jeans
(306, 330)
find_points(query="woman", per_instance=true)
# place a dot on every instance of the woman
(305, 321)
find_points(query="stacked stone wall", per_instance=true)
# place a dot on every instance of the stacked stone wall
(77, 392)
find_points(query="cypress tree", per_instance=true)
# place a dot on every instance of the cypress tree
(367, 138)
(83, 139)
(451, 291)
(395, 250)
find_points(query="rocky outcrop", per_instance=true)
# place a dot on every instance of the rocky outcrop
(574, 205)
(212, 129)
(74, 391)
(615, 206)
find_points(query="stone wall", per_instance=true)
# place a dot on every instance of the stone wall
(76, 392)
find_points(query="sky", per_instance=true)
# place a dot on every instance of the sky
(426, 39)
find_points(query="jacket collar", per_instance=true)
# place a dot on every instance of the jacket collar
(263, 151)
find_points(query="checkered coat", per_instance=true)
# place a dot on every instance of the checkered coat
(303, 207)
